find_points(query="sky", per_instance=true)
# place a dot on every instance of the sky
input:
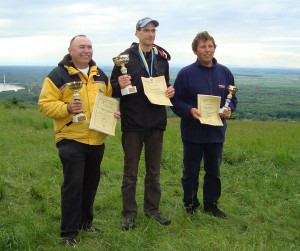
(248, 33)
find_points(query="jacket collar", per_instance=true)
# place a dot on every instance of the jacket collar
(67, 63)
(158, 51)
(201, 65)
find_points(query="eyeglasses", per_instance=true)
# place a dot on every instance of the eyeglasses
(149, 30)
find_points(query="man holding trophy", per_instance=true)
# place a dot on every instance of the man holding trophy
(67, 97)
(143, 122)
(203, 141)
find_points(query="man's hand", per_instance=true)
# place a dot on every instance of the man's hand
(117, 115)
(195, 113)
(124, 80)
(227, 115)
(75, 107)
(170, 92)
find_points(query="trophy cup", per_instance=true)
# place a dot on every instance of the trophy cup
(121, 60)
(76, 86)
(232, 90)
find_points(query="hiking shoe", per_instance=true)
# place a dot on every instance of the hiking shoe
(92, 229)
(160, 219)
(191, 209)
(69, 242)
(212, 209)
(128, 223)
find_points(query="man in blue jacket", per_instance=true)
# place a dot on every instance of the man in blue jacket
(201, 141)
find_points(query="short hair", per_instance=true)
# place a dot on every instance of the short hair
(72, 40)
(204, 35)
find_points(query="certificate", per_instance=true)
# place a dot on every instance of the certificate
(103, 119)
(208, 107)
(155, 90)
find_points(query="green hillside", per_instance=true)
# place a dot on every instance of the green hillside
(261, 195)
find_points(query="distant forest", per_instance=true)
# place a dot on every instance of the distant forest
(264, 94)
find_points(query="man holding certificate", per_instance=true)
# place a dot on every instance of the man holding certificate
(68, 96)
(143, 118)
(203, 86)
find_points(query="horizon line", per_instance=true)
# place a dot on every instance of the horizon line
(177, 65)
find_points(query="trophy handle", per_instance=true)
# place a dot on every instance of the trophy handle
(227, 102)
(76, 95)
(123, 69)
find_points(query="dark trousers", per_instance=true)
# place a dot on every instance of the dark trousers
(132, 145)
(192, 157)
(81, 171)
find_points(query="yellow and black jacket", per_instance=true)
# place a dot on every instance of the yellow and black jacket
(55, 96)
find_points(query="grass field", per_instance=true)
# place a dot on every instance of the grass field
(260, 177)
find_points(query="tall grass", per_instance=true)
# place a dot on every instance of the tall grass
(260, 177)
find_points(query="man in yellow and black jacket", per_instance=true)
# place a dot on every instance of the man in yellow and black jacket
(80, 148)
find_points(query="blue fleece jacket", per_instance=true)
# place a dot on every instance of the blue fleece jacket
(198, 79)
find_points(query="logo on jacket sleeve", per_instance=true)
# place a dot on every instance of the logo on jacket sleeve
(221, 86)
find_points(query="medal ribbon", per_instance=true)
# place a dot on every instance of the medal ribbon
(145, 61)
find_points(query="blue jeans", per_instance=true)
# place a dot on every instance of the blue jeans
(81, 171)
(193, 153)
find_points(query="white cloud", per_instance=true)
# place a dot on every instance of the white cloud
(249, 32)
(5, 22)
(35, 50)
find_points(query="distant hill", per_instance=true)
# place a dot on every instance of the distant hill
(264, 93)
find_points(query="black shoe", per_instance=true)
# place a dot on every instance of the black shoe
(160, 219)
(69, 242)
(191, 209)
(128, 223)
(212, 209)
(92, 229)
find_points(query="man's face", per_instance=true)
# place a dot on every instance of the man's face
(205, 52)
(81, 52)
(146, 35)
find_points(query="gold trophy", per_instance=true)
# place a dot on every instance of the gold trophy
(121, 60)
(232, 90)
(76, 86)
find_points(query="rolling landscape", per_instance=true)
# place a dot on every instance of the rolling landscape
(260, 175)
(264, 93)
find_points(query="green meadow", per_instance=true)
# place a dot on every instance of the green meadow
(260, 179)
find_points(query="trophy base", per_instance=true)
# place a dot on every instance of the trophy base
(79, 117)
(225, 111)
(128, 90)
